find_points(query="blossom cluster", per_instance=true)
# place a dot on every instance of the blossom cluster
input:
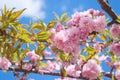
(90, 20)
(67, 37)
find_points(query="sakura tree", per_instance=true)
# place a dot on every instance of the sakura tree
(73, 48)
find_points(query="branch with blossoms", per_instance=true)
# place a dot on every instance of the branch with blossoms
(52, 73)
(72, 48)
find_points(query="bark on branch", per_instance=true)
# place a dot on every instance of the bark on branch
(55, 73)
(105, 6)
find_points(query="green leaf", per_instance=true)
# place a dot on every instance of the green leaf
(102, 37)
(25, 37)
(9, 13)
(43, 36)
(100, 76)
(40, 63)
(63, 56)
(4, 12)
(16, 14)
(83, 57)
(63, 15)
(51, 24)
(14, 56)
(63, 72)
(57, 16)
(113, 78)
(38, 26)
(118, 19)
(114, 58)
(69, 57)
(90, 50)
(0, 19)
(65, 19)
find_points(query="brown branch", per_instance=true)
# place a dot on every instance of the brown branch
(45, 59)
(105, 6)
(109, 75)
(56, 73)
(44, 72)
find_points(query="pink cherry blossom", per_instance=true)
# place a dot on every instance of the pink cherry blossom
(117, 64)
(48, 53)
(100, 23)
(97, 47)
(51, 66)
(59, 27)
(84, 32)
(67, 40)
(79, 64)
(96, 12)
(52, 31)
(118, 75)
(70, 24)
(115, 48)
(101, 58)
(4, 63)
(32, 56)
(91, 70)
(91, 11)
(87, 22)
(76, 18)
(115, 30)
(71, 70)
(28, 67)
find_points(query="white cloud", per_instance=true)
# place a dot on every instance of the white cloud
(34, 8)
(80, 8)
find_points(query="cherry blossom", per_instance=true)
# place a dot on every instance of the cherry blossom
(32, 56)
(4, 63)
(115, 30)
(48, 53)
(71, 70)
(68, 40)
(97, 47)
(59, 27)
(51, 66)
(115, 48)
(118, 75)
(91, 70)
(101, 22)
(117, 64)
(28, 67)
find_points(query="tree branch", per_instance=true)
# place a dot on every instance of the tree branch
(105, 6)
(55, 73)
(44, 72)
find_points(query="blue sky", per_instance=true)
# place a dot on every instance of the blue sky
(45, 9)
